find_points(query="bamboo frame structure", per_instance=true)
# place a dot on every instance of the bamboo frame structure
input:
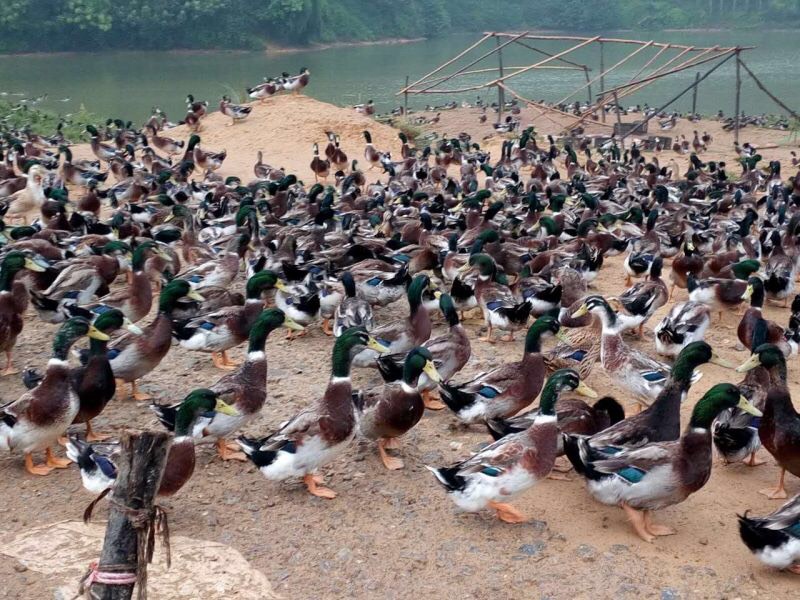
(657, 67)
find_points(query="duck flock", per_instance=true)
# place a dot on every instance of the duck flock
(147, 251)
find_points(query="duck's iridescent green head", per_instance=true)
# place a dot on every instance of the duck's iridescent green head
(419, 361)
(691, 357)
(70, 332)
(418, 285)
(720, 397)
(197, 403)
(259, 283)
(116, 248)
(174, 291)
(743, 269)
(267, 322)
(448, 309)
(541, 328)
(351, 342)
(483, 264)
(140, 255)
(113, 319)
(563, 380)
(765, 355)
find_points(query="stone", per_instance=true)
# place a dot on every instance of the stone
(532, 549)
(670, 594)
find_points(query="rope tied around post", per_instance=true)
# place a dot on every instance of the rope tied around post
(148, 524)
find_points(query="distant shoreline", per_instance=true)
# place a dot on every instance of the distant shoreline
(273, 48)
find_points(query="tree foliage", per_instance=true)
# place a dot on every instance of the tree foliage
(52, 25)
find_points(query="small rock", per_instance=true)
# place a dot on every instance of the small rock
(703, 541)
(670, 594)
(456, 445)
(344, 554)
(586, 552)
(20, 568)
(532, 549)
(619, 548)
(432, 458)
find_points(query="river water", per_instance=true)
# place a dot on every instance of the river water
(128, 84)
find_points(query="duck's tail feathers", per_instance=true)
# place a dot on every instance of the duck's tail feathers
(449, 477)
(252, 448)
(455, 399)
(165, 414)
(517, 314)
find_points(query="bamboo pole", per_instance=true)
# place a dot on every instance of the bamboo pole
(767, 92)
(678, 96)
(588, 86)
(543, 62)
(470, 88)
(619, 118)
(738, 98)
(493, 69)
(577, 38)
(533, 102)
(501, 98)
(649, 62)
(602, 75)
(545, 53)
(474, 62)
(485, 37)
(405, 100)
(602, 81)
(694, 94)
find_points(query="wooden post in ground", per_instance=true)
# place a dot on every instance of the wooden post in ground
(501, 97)
(619, 117)
(602, 82)
(140, 466)
(405, 100)
(588, 86)
(694, 94)
(738, 94)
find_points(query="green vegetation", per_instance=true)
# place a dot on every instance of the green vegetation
(95, 25)
(21, 116)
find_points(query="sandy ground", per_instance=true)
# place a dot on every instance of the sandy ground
(396, 535)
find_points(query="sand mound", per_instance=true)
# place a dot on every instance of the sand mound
(285, 129)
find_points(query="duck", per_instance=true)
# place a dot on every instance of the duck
(203, 159)
(236, 112)
(779, 429)
(661, 422)
(753, 315)
(780, 272)
(578, 348)
(14, 302)
(221, 330)
(353, 310)
(244, 390)
(263, 90)
(320, 167)
(96, 461)
(688, 261)
(299, 301)
(573, 414)
(640, 302)
(29, 199)
(388, 411)
(318, 434)
(658, 474)
(381, 288)
(500, 308)
(136, 299)
(685, 323)
(736, 436)
(719, 293)
(402, 334)
(636, 371)
(505, 390)
(93, 380)
(775, 538)
(450, 351)
(37, 418)
(371, 154)
(296, 83)
(134, 356)
(505, 468)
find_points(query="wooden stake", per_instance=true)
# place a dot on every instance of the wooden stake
(738, 94)
(501, 99)
(140, 467)
(602, 81)
(619, 118)
(405, 100)
(694, 93)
